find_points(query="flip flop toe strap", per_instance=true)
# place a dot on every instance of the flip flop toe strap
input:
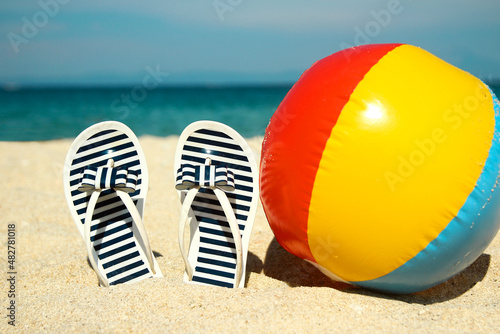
(192, 178)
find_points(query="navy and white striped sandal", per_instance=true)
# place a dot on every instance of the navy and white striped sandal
(217, 181)
(106, 182)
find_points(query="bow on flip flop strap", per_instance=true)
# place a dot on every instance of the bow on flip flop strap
(208, 176)
(218, 178)
(100, 178)
(123, 181)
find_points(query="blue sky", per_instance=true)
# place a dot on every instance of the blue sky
(229, 41)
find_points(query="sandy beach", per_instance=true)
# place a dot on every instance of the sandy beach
(57, 290)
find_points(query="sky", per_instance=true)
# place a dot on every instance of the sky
(76, 42)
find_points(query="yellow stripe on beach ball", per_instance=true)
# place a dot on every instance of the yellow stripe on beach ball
(392, 163)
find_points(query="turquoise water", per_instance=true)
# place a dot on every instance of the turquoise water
(46, 114)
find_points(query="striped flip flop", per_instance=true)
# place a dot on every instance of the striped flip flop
(216, 178)
(106, 182)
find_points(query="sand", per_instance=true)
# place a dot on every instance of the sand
(57, 291)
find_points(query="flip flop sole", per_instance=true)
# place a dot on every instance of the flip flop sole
(118, 247)
(212, 250)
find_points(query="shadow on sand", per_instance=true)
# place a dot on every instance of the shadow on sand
(281, 265)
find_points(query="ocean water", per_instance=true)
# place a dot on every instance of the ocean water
(46, 114)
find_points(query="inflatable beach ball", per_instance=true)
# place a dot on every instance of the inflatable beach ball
(381, 167)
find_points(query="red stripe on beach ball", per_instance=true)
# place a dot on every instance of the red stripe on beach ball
(296, 137)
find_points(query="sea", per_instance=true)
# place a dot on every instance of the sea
(40, 114)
